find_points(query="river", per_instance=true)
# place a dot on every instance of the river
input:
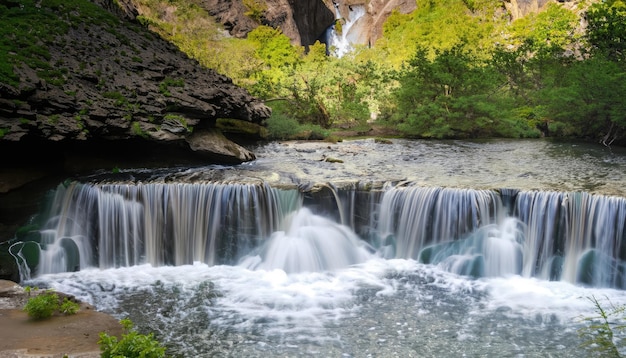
(351, 249)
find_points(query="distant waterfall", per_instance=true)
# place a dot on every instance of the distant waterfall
(575, 237)
(340, 36)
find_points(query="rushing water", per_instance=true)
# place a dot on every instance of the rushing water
(340, 42)
(410, 249)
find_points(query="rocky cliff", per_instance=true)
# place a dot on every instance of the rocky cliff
(112, 83)
(520, 8)
(303, 21)
(369, 27)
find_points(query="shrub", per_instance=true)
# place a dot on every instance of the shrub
(69, 307)
(45, 304)
(132, 344)
(281, 126)
(117, 96)
(42, 305)
(164, 87)
(256, 9)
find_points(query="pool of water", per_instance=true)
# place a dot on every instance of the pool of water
(381, 308)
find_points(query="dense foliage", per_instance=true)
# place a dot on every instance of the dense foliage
(484, 76)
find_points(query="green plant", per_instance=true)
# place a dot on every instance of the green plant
(132, 344)
(599, 334)
(179, 119)
(137, 130)
(164, 87)
(45, 304)
(117, 96)
(42, 305)
(69, 307)
(54, 118)
(281, 126)
(256, 9)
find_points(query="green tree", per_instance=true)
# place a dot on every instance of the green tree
(277, 61)
(606, 29)
(590, 100)
(452, 96)
(440, 25)
(586, 97)
(553, 27)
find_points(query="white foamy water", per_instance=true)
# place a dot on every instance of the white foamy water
(377, 308)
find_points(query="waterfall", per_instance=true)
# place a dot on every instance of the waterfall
(416, 217)
(161, 224)
(575, 237)
(309, 243)
(341, 36)
(570, 236)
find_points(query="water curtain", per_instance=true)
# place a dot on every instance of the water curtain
(571, 236)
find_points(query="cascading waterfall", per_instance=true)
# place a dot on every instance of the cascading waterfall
(309, 243)
(416, 217)
(118, 225)
(340, 39)
(541, 213)
(412, 249)
(574, 237)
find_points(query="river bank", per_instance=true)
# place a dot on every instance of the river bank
(59, 336)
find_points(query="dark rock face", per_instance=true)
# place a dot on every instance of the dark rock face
(312, 18)
(303, 21)
(120, 85)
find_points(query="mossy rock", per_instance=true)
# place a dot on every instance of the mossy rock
(243, 128)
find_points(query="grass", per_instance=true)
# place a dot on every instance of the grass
(599, 333)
